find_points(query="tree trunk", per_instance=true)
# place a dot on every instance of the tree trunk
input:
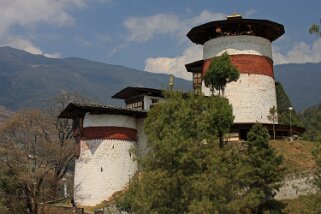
(221, 140)
(273, 130)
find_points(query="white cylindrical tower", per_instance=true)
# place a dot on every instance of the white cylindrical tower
(248, 42)
(105, 163)
(254, 93)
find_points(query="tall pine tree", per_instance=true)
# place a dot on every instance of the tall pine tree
(265, 172)
(185, 171)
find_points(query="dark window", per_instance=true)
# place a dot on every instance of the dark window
(154, 101)
(197, 82)
(136, 105)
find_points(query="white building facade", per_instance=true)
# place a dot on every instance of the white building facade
(106, 138)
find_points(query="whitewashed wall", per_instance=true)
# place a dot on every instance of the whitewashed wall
(233, 45)
(148, 101)
(251, 97)
(104, 120)
(295, 187)
(141, 139)
(104, 167)
(141, 136)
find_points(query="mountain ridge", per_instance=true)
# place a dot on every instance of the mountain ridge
(301, 82)
(28, 80)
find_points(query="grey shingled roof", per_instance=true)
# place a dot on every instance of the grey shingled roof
(77, 110)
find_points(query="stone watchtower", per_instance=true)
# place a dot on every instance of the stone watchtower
(248, 42)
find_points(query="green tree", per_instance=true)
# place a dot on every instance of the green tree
(311, 118)
(273, 116)
(315, 29)
(185, 171)
(265, 172)
(220, 72)
(316, 152)
(317, 156)
(3, 208)
(220, 117)
(283, 104)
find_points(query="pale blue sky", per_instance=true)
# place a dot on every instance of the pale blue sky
(147, 34)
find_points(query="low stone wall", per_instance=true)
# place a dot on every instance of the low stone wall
(294, 187)
(52, 209)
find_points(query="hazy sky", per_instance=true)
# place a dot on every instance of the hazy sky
(147, 34)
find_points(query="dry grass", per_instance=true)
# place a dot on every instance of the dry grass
(4, 114)
(91, 209)
(308, 204)
(297, 154)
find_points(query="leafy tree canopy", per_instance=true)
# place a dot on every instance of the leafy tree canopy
(220, 72)
(265, 172)
(317, 156)
(283, 104)
(311, 118)
(185, 171)
(315, 29)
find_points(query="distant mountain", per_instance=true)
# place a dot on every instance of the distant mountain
(28, 80)
(4, 113)
(302, 82)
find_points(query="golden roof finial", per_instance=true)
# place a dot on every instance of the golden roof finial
(234, 15)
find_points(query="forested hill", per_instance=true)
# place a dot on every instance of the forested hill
(28, 80)
(301, 82)
(4, 113)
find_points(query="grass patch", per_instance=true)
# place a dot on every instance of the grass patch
(97, 207)
(308, 204)
(297, 154)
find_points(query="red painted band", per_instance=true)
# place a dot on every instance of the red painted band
(116, 133)
(248, 64)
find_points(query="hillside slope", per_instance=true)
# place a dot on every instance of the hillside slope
(4, 114)
(28, 80)
(301, 82)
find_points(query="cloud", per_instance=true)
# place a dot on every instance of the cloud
(26, 45)
(301, 52)
(142, 29)
(175, 65)
(52, 55)
(103, 38)
(104, 1)
(26, 14)
(82, 41)
(249, 13)
(117, 48)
